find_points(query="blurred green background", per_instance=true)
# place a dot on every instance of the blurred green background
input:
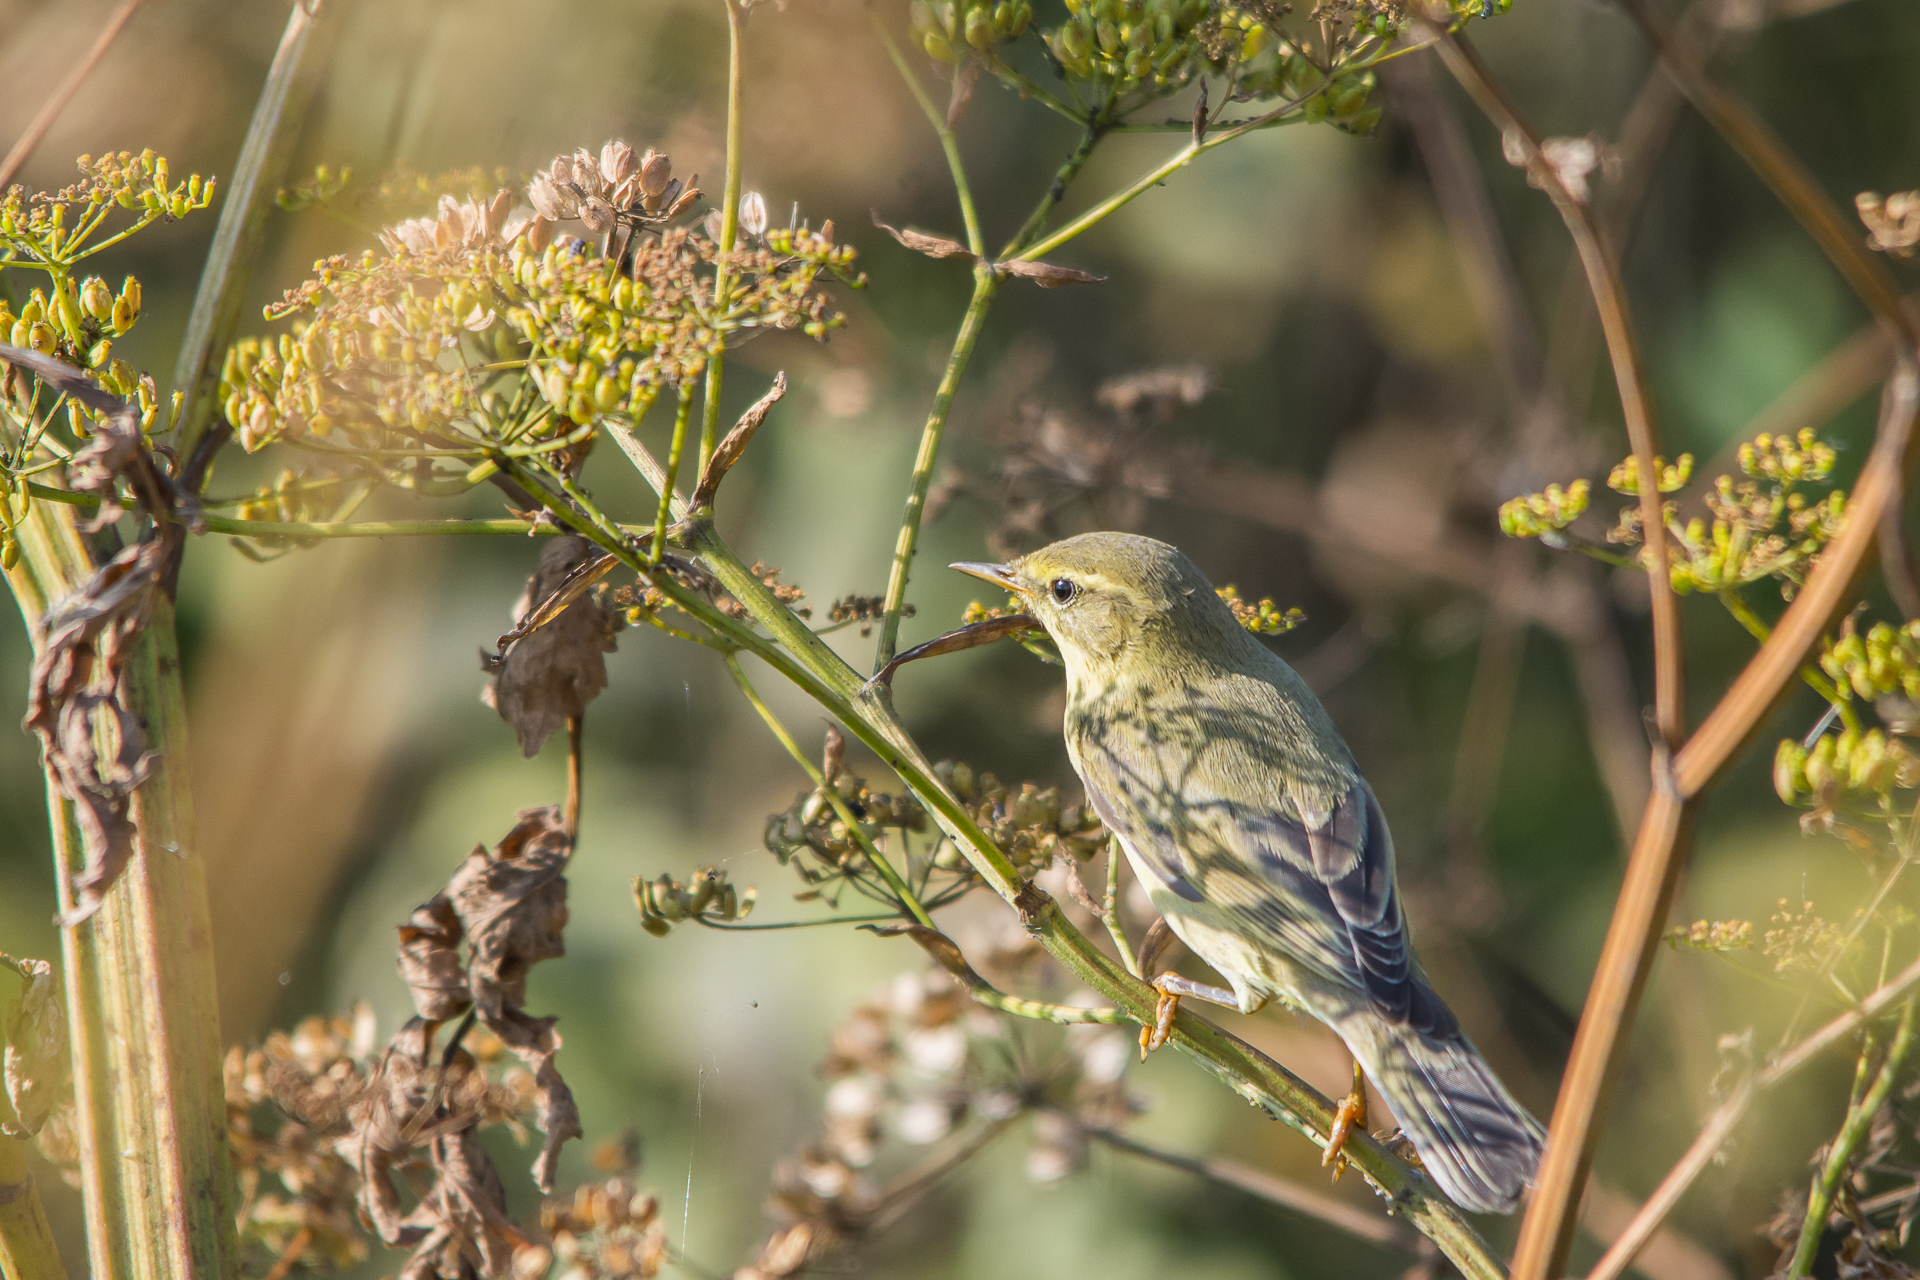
(1362, 421)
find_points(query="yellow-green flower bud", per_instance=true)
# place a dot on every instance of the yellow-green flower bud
(99, 354)
(1789, 770)
(980, 29)
(121, 317)
(1818, 769)
(1254, 43)
(97, 299)
(40, 337)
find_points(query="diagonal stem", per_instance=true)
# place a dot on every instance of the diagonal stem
(1859, 1120)
(985, 285)
(57, 101)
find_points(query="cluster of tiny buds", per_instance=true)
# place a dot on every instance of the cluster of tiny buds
(666, 902)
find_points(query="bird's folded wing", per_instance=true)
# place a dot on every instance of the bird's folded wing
(1322, 895)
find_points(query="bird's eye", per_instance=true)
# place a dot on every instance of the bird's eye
(1064, 590)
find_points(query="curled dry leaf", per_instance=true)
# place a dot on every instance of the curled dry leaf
(1046, 275)
(430, 961)
(35, 1063)
(921, 242)
(736, 441)
(76, 702)
(551, 672)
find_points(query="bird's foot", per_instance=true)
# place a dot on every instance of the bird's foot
(1171, 987)
(1350, 1115)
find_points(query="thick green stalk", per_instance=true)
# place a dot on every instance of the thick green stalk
(659, 544)
(1859, 1120)
(729, 231)
(141, 1003)
(985, 285)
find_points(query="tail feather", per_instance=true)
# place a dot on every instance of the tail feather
(1476, 1142)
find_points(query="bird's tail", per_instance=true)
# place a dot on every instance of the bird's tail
(1476, 1142)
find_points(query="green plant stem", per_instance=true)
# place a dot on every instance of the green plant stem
(1760, 631)
(985, 285)
(141, 1005)
(1852, 1131)
(825, 787)
(680, 417)
(257, 177)
(27, 1247)
(729, 232)
(948, 142)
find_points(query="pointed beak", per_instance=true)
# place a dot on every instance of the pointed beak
(998, 574)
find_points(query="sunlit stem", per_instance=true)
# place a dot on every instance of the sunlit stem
(985, 284)
(673, 471)
(826, 788)
(729, 233)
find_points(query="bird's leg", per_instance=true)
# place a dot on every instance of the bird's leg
(1351, 1114)
(1171, 987)
(1154, 945)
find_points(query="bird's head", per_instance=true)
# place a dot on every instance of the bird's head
(1111, 598)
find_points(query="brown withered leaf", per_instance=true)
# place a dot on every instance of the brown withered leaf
(430, 960)
(466, 1231)
(552, 672)
(1045, 274)
(35, 1062)
(514, 907)
(534, 1042)
(729, 450)
(921, 242)
(76, 698)
(513, 904)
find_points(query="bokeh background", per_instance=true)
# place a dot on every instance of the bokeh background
(1393, 346)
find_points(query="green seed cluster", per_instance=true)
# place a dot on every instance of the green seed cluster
(1885, 660)
(946, 28)
(1263, 619)
(1671, 477)
(1854, 762)
(55, 228)
(1127, 44)
(1549, 511)
(707, 895)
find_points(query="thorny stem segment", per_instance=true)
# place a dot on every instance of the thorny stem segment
(673, 473)
(729, 233)
(948, 142)
(826, 788)
(1859, 1120)
(985, 285)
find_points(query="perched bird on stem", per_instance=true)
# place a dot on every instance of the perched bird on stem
(1241, 810)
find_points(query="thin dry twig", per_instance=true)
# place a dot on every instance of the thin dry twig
(57, 101)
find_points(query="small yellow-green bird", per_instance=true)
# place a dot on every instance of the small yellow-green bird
(1241, 810)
